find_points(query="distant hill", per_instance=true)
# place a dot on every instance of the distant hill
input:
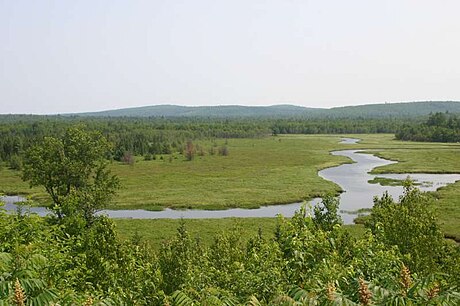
(223, 111)
(385, 110)
(406, 109)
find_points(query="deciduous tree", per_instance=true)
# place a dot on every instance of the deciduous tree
(73, 170)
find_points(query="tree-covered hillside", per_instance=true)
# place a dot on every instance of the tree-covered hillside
(385, 110)
(223, 111)
(395, 110)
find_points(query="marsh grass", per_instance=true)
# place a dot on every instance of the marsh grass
(383, 181)
(256, 172)
(264, 171)
(448, 210)
(156, 231)
(421, 160)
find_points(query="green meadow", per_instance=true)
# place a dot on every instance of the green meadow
(256, 172)
(261, 171)
(157, 231)
(272, 170)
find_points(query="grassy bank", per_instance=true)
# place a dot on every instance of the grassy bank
(313, 151)
(256, 172)
(272, 170)
(156, 231)
(448, 210)
(421, 160)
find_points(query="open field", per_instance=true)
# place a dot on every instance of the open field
(264, 171)
(156, 231)
(270, 170)
(256, 172)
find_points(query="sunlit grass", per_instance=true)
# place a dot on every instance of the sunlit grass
(264, 171)
(156, 231)
(256, 172)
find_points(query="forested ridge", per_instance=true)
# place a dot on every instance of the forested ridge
(382, 110)
(224, 111)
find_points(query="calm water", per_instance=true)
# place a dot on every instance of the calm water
(349, 140)
(10, 206)
(352, 178)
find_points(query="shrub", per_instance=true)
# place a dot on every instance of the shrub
(189, 151)
(16, 162)
(128, 158)
(223, 151)
(411, 226)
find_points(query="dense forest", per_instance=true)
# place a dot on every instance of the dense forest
(74, 257)
(151, 136)
(439, 127)
(165, 129)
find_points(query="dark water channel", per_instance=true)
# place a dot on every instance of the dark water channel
(352, 178)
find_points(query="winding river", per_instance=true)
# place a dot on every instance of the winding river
(352, 178)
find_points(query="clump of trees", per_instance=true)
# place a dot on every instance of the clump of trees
(149, 156)
(191, 150)
(140, 136)
(439, 127)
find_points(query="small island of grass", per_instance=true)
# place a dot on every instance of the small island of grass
(384, 181)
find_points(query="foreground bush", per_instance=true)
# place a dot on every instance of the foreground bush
(311, 260)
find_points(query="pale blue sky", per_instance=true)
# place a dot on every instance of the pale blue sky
(73, 56)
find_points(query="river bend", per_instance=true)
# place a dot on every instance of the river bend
(352, 178)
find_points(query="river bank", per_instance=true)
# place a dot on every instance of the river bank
(352, 178)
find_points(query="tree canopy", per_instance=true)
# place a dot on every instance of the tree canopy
(439, 127)
(73, 170)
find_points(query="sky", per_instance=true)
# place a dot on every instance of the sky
(77, 56)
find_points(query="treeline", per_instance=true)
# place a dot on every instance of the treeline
(136, 136)
(439, 127)
(336, 126)
(151, 136)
